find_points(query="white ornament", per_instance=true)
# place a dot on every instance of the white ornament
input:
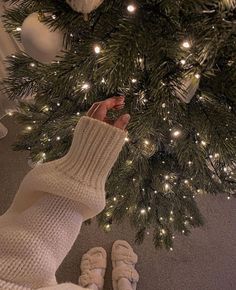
(84, 6)
(188, 89)
(39, 41)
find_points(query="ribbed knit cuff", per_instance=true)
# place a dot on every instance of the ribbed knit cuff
(94, 150)
(81, 174)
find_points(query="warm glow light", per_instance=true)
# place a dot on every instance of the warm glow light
(29, 128)
(176, 133)
(197, 76)
(142, 211)
(85, 86)
(134, 81)
(97, 49)
(183, 61)
(58, 138)
(18, 28)
(32, 64)
(186, 44)
(131, 8)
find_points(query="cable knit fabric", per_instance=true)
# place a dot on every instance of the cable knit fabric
(42, 224)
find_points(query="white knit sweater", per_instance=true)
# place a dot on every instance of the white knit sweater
(45, 218)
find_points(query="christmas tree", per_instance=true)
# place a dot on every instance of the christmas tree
(175, 63)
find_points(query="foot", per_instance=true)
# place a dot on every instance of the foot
(93, 267)
(124, 275)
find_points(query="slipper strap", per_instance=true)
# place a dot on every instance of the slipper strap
(88, 278)
(127, 257)
(92, 262)
(127, 272)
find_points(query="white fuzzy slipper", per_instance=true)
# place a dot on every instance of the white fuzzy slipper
(123, 252)
(95, 258)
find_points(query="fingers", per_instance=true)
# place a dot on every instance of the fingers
(122, 122)
(92, 109)
(99, 112)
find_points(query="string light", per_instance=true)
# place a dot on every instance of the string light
(142, 211)
(10, 114)
(85, 86)
(183, 61)
(146, 142)
(131, 8)
(186, 181)
(54, 16)
(203, 143)
(176, 133)
(29, 128)
(97, 49)
(228, 197)
(197, 76)
(163, 232)
(115, 199)
(186, 44)
(129, 162)
(134, 81)
(45, 109)
(58, 104)
(58, 138)
(171, 249)
(18, 28)
(32, 64)
(167, 186)
(126, 139)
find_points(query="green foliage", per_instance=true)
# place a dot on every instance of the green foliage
(158, 175)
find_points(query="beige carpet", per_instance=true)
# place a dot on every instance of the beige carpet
(204, 261)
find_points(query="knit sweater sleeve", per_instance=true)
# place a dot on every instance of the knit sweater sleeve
(40, 227)
(34, 243)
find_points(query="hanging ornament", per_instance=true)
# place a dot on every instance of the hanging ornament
(147, 148)
(229, 4)
(39, 41)
(188, 88)
(3, 131)
(84, 6)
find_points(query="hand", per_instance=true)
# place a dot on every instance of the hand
(99, 111)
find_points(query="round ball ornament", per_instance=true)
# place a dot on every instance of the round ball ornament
(39, 41)
(84, 6)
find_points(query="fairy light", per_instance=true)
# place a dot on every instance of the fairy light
(171, 219)
(186, 181)
(32, 64)
(29, 128)
(10, 114)
(103, 81)
(85, 86)
(134, 81)
(18, 28)
(146, 142)
(176, 133)
(58, 104)
(167, 177)
(54, 17)
(183, 61)
(131, 8)
(115, 199)
(97, 49)
(45, 109)
(186, 44)
(142, 211)
(190, 163)
(203, 143)
(166, 186)
(197, 76)
(171, 249)
(161, 218)
(228, 197)
(127, 139)
(108, 227)
(183, 231)
(129, 162)
(163, 232)
(58, 138)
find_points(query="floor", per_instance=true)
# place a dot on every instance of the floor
(204, 261)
